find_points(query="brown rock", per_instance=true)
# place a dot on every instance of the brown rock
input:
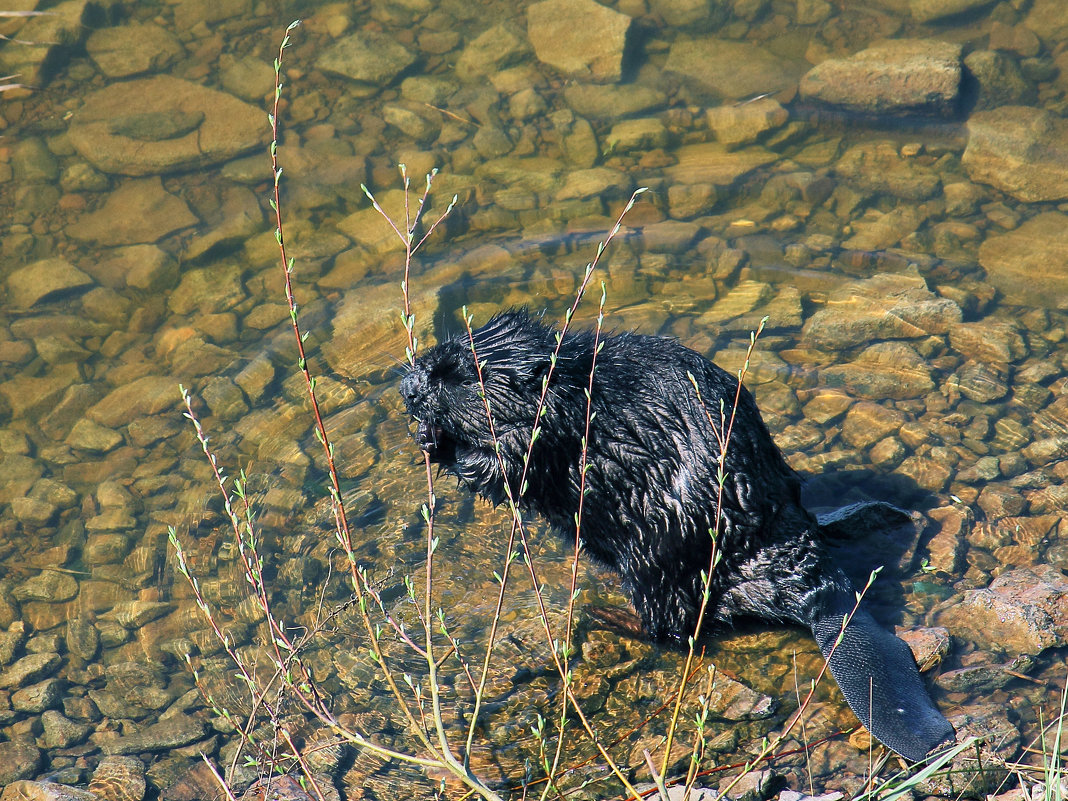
(887, 370)
(161, 124)
(899, 76)
(1021, 150)
(712, 163)
(138, 212)
(1023, 611)
(581, 38)
(44, 280)
(729, 69)
(867, 423)
(887, 306)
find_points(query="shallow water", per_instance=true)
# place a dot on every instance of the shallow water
(913, 353)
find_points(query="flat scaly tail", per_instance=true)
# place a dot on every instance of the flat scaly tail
(879, 679)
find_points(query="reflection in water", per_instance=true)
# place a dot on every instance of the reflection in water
(894, 212)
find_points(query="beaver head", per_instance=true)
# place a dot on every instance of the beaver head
(443, 395)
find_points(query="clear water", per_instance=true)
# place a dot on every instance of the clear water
(170, 275)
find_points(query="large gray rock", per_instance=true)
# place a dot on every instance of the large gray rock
(727, 69)
(162, 124)
(899, 76)
(1020, 150)
(581, 38)
(1027, 264)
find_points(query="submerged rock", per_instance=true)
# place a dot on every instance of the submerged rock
(1027, 264)
(368, 58)
(887, 306)
(132, 49)
(1023, 611)
(161, 124)
(728, 69)
(581, 38)
(138, 212)
(1020, 150)
(44, 280)
(899, 76)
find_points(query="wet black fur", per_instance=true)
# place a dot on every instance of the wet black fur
(652, 490)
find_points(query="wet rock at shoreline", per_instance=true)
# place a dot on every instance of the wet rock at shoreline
(161, 124)
(900, 76)
(1026, 264)
(581, 38)
(1020, 150)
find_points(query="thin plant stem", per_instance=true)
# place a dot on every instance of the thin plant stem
(723, 437)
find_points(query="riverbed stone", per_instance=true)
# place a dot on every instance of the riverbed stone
(45, 280)
(139, 211)
(161, 124)
(880, 166)
(60, 731)
(501, 46)
(866, 423)
(581, 38)
(132, 49)
(372, 60)
(1026, 264)
(726, 69)
(50, 586)
(931, 10)
(173, 732)
(886, 370)
(714, 163)
(1001, 83)
(738, 124)
(1020, 150)
(148, 395)
(119, 778)
(45, 41)
(898, 76)
(36, 698)
(1023, 611)
(886, 306)
(29, 669)
(602, 101)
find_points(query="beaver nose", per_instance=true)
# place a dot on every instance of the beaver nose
(413, 387)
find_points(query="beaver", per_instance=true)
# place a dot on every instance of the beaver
(652, 491)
